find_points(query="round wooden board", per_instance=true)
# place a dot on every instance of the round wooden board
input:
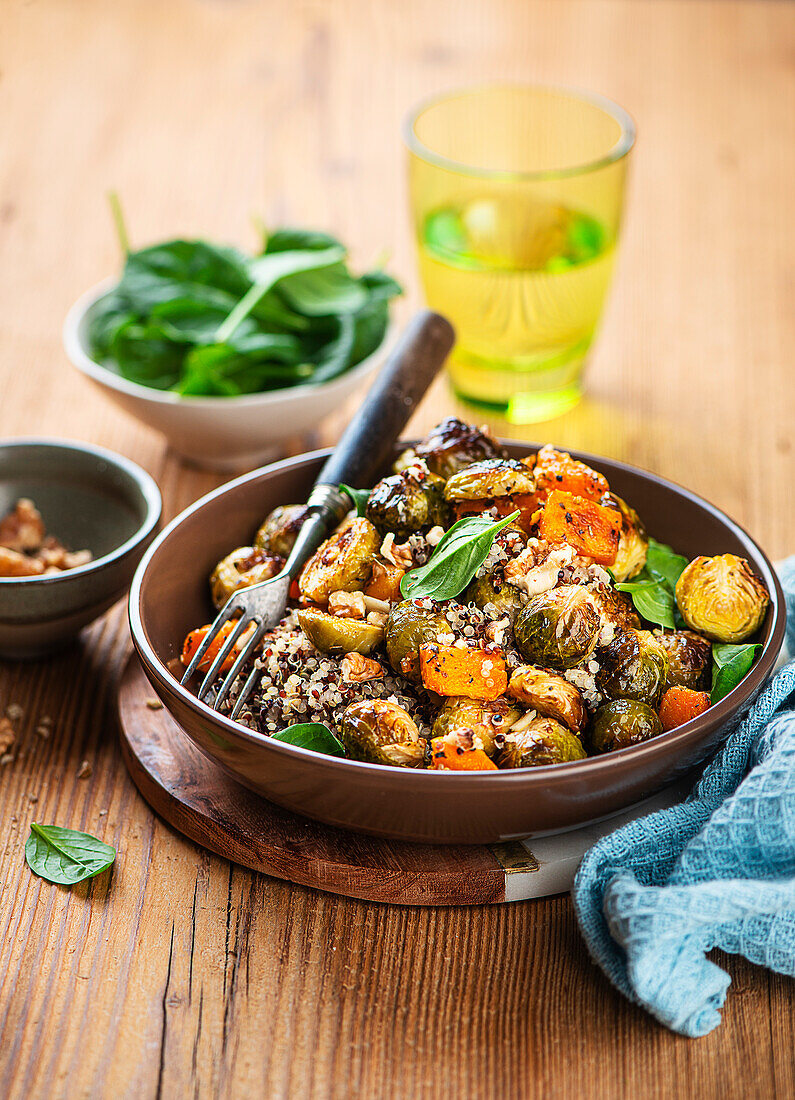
(199, 800)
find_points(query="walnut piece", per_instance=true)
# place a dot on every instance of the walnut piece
(347, 605)
(22, 529)
(356, 668)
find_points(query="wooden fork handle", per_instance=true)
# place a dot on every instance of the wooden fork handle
(368, 442)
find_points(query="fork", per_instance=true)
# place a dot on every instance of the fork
(359, 457)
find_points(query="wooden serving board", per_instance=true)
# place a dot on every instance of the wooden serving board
(203, 803)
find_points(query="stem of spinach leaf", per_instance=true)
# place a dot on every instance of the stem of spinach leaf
(118, 220)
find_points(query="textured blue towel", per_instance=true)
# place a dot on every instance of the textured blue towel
(718, 870)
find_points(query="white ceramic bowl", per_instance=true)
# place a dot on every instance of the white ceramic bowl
(218, 433)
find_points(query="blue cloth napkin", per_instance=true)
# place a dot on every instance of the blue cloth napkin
(718, 870)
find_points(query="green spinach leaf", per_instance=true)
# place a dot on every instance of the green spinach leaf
(455, 560)
(730, 664)
(65, 856)
(311, 735)
(358, 496)
(663, 564)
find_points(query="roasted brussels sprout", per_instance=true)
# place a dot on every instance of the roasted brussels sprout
(689, 660)
(616, 608)
(543, 741)
(453, 444)
(380, 732)
(485, 719)
(243, 567)
(558, 628)
(634, 666)
(343, 563)
(489, 590)
(409, 626)
(408, 502)
(280, 529)
(495, 477)
(634, 542)
(722, 598)
(332, 634)
(549, 694)
(623, 722)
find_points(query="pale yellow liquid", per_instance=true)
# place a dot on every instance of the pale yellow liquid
(523, 283)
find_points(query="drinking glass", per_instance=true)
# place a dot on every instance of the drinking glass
(516, 195)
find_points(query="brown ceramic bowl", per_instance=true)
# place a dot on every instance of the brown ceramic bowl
(169, 597)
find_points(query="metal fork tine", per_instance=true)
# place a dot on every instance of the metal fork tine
(241, 660)
(222, 617)
(246, 690)
(214, 671)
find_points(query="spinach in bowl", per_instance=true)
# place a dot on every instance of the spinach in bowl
(202, 319)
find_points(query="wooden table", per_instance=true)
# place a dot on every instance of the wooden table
(182, 974)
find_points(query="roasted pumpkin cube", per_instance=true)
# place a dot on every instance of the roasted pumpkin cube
(452, 670)
(589, 527)
(558, 470)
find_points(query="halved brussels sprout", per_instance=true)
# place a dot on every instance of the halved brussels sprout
(490, 590)
(689, 660)
(379, 732)
(616, 608)
(485, 719)
(409, 626)
(544, 741)
(558, 628)
(342, 563)
(452, 445)
(722, 598)
(623, 722)
(634, 542)
(495, 477)
(243, 567)
(332, 634)
(280, 529)
(408, 502)
(549, 694)
(634, 666)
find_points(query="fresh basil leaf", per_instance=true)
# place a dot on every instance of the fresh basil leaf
(65, 856)
(730, 664)
(653, 599)
(358, 496)
(311, 735)
(455, 560)
(663, 564)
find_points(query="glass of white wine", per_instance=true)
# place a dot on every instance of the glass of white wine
(516, 195)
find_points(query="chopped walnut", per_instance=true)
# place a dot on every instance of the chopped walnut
(435, 536)
(347, 605)
(401, 555)
(495, 631)
(23, 528)
(356, 668)
(14, 564)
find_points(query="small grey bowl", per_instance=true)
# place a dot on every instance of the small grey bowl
(89, 498)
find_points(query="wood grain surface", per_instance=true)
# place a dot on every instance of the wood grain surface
(182, 975)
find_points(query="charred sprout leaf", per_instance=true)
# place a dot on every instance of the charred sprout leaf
(455, 560)
(730, 663)
(311, 735)
(65, 856)
(359, 497)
